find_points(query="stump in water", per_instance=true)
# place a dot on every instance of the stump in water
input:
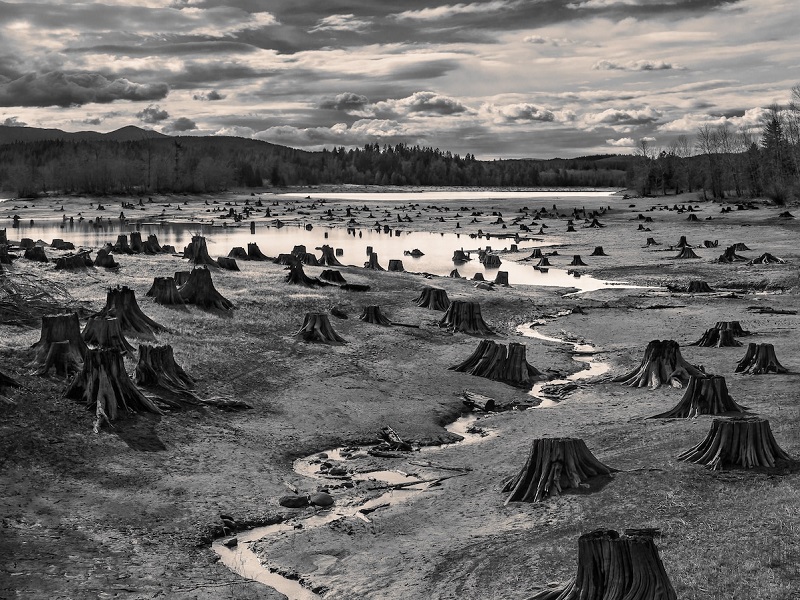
(699, 287)
(372, 263)
(703, 396)
(229, 264)
(717, 338)
(492, 261)
(465, 317)
(238, 252)
(79, 260)
(372, 314)
(577, 262)
(543, 262)
(297, 276)
(396, 265)
(744, 442)
(199, 290)
(158, 371)
(105, 259)
(734, 326)
(121, 303)
(501, 278)
(459, 256)
(616, 567)
(36, 254)
(478, 277)
(254, 252)
(662, 363)
(105, 332)
(730, 256)
(332, 276)
(105, 388)
(164, 291)
(687, 252)
(553, 465)
(598, 251)
(328, 257)
(759, 359)
(197, 252)
(433, 298)
(69, 355)
(317, 328)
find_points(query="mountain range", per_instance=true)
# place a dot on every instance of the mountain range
(10, 135)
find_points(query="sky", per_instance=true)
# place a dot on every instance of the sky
(493, 78)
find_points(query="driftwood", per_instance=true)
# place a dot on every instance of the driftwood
(199, 290)
(372, 263)
(105, 259)
(158, 371)
(121, 303)
(493, 361)
(553, 465)
(662, 363)
(717, 338)
(465, 317)
(744, 442)
(105, 332)
(478, 401)
(389, 436)
(164, 291)
(228, 264)
(317, 328)
(703, 396)
(254, 252)
(616, 567)
(372, 314)
(197, 252)
(760, 359)
(105, 388)
(396, 265)
(699, 287)
(63, 331)
(433, 298)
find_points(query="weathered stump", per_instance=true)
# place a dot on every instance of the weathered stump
(317, 328)
(652, 242)
(537, 253)
(433, 298)
(492, 261)
(197, 252)
(229, 264)
(307, 258)
(734, 326)
(152, 245)
(60, 244)
(158, 371)
(238, 252)
(61, 358)
(760, 359)
(764, 259)
(328, 257)
(297, 276)
(68, 356)
(105, 332)
(682, 243)
(396, 265)
(614, 567)
(138, 246)
(543, 262)
(105, 388)
(199, 290)
(455, 274)
(598, 251)
(332, 276)
(372, 314)
(717, 338)
(553, 465)
(478, 277)
(254, 252)
(465, 317)
(577, 261)
(36, 254)
(710, 244)
(730, 256)
(662, 363)
(181, 277)
(501, 278)
(79, 260)
(372, 263)
(703, 396)
(122, 244)
(687, 252)
(121, 303)
(164, 291)
(699, 287)
(105, 259)
(744, 442)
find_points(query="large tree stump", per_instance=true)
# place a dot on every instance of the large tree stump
(254, 252)
(703, 396)
(687, 252)
(465, 317)
(372, 263)
(307, 258)
(372, 314)
(105, 332)
(614, 567)
(229, 264)
(662, 363)
(328, 257)
(105, 259)
(501, 278)
(577, 261)
(121, 303)
(744, 442)
(760, 359)
(79, 260)
(36, 254)
(158, 371)
(717, 338)
(317, 328)
(734, 326)
(543, 262)
(67, 356)
(181, 277)
(122, 244)
(699, 287)
(164, 291)
(682, 243)
(105, 388)
(138, 246)
(297, 276)
(152, 245)
(396, 265)
(199, 290)
(197, 252)
(492, 361)
(332, 276)
(553, 465)
(433, 298)
(537, 253)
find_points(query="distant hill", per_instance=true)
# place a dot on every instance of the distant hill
(11, 135)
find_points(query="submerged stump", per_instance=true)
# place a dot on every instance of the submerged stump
(760, 359)
(662, 363)
(703, 396)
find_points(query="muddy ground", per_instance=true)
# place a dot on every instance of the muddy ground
(131, 512)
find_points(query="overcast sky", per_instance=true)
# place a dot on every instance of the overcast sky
(495, 78)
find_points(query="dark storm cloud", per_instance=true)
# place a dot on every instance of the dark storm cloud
(152, 115)
(347, 101)
(189, 48)
(58, 88)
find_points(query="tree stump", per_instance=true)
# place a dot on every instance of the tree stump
(616, 567)
(68, 356)
(5, 257)
(105, 259)
(181, 277)
(710, 244)
(577, 262)
(734, 326)
(465, 317)
(740, 247)
(652, 242)
(121, 303)
(164, 291)
(598, 251)
(317, 328)
(553, 465)
(717, 338)
(158, 371)
(297, 276)
(152, 245)
(662, 363)
(328, 257)
(501, 278)
(105, 388)
(478, 277)
(254, 252)
(459, 256)
(122, 244)
(238, 252)
(764, 259)
(396, 265)
(197, 252)
(36, 254)
(699, 287)
(372, 263)
(596, 224)
(229, 264)
(730, 256)
(372, 314)
(744, 442)
(105, 332)
(703, 396)
(307, 258)
(455, 274)
(537, 253)
(687, 252)
(760, 359)
(543, 262)
(492, 261)
(79, 260)
(199, 290)
(138, 246)
(432, 298)
(682, 243)
(332, 276)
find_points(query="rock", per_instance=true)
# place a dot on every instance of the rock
(338, 471)
(231, 542)
(293, 501)
(321, 499)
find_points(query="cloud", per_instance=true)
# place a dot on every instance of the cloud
(539, 39)
(347, 102)
(446, 11)
(236, 131)
(95, 121)
(181, 124)
(595, 4)
(211, 96)
(635, 65)
(515, 113)
(59, 88)
(359, 133)
(13, 122)
(152, 114)
(340, 23)
(625, 142)
(613, 117)
(426, 103)
(751, 120)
